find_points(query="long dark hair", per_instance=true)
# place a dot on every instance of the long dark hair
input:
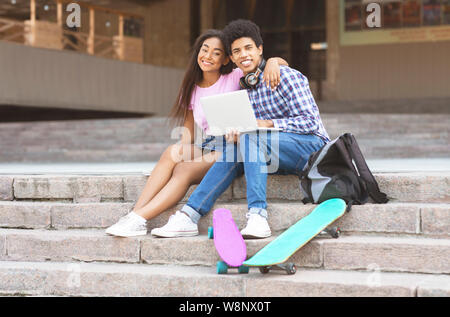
(194, 75)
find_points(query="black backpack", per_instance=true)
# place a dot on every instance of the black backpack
(339, 170)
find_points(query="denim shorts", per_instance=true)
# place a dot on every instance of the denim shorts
(212, 143)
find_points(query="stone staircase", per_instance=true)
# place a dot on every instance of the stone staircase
(143, 140)
(52, 242)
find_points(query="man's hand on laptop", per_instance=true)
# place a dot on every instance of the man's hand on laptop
(232, 135)
(265, 123)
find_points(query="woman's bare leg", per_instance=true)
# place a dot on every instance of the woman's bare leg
(184, 175)
(163, 170)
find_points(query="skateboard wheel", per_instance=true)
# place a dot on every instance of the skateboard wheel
(264, 269)
(222, 267)
(291, 268)
(243, 269)
(336, 232)
(210, 232)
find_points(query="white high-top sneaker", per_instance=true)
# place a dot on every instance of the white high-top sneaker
(257, 227)
(129, 226)
(179, 225)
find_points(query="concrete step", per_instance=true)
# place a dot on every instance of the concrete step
(377, 166)
(107, 138)
(126, 152)
(421, 219)
(157, 127)
(387, 253)
(131, 151)
(402, 187)
(427, 140)
(429, 105)
(380, 136)
(400, 151)
(151, 151)
(111, 279)
(112, 131)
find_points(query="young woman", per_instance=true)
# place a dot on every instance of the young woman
(184, 164)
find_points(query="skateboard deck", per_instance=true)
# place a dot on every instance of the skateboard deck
(280, 249)
(228, 242)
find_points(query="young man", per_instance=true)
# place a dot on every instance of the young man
(290, 108)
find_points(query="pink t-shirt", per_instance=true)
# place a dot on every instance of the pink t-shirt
(225, 83)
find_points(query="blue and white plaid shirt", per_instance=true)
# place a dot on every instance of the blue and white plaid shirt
(291, 106)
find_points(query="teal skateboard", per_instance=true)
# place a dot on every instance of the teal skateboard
(275, 254)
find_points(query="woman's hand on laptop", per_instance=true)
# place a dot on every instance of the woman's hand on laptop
(232, 136)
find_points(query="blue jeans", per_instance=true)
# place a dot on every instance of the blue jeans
(256, 155)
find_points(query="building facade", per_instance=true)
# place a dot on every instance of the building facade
(353, 51)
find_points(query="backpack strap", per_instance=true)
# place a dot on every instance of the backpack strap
(347, 158)
(306, 201)
(349, 206)
(302, 174)
(364, 171)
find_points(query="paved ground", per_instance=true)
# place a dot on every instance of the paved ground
(376, 166)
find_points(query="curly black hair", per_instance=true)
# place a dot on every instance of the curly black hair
(241, 28)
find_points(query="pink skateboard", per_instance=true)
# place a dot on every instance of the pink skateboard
(228, 242)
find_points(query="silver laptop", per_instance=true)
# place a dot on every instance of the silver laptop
(228, 111)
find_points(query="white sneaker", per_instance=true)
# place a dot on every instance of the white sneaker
(179, 225)
(257, 227)
(129, 226)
